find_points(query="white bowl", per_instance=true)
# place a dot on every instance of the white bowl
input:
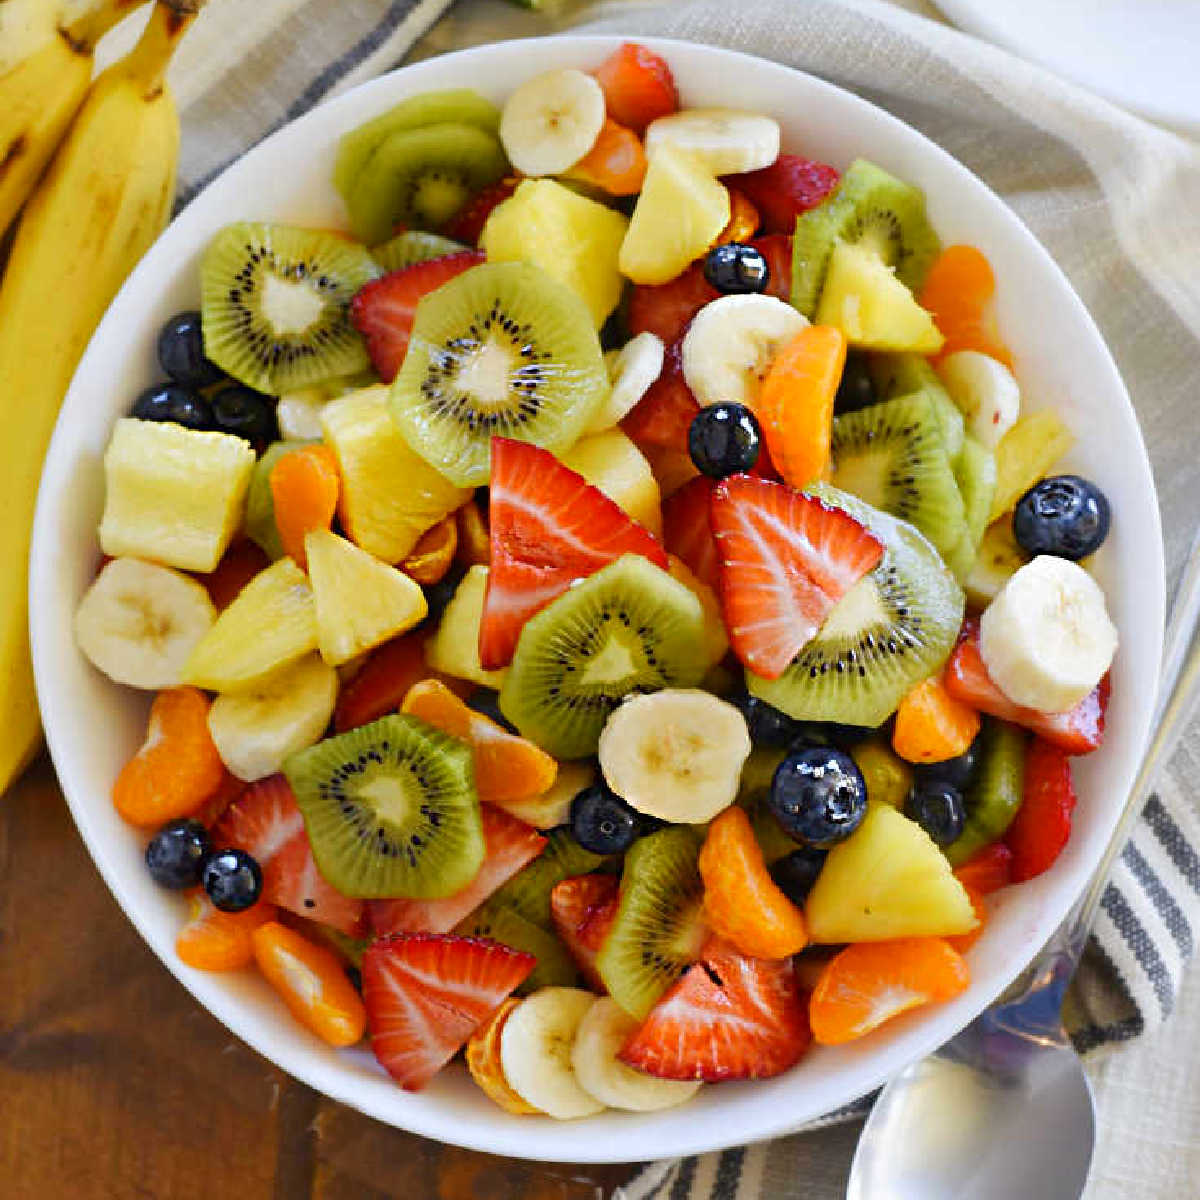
(92, 726)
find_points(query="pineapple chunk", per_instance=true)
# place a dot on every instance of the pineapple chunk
(173, 495)
(454, 648)
(996, 561)
(361, 602)
(271, 623)
(553, 807)
(569, 236)
(679, 215)
(611, 462)
(390, 494)
(716, 642)
(887, 880)
(887, 776)
(1025, 455)
(863, 298)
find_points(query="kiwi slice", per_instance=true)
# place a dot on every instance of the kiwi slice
(391, 810)
(630, 627)
(259, 525)
(502, 349)
(895, 627)
(412, 247)
(555, 967)
(460, 106)
(891, 455)
(868, 206)
(275, 305)
(975, 473)
(995, 793)
(422, 178)
(527, 893)
(658, 930)
(901, 374)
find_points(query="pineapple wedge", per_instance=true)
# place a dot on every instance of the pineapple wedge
(173, 495)
(997, 560)
(361, 602)
(611, 462)
(1025, 455)
(716, 641)
(270, 624)
(553, 807)
(390, 494)
(863, 298)
(569, 236)
(679, 215)
(887, 880)
(454, 648)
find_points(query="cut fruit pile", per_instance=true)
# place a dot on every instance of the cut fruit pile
(562, 697)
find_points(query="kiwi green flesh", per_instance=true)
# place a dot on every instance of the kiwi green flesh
(459, 106)
(259, 524)
(868, 206)
(895, 627)
(555, 967)
(275, 304)
(658, 930)
(412, 247)
(527, 893)
(422, 178)
(996, 792)
(892, 456)
(391, 810)
(628, 628)
(902, 374)
(500, 350)
(975, 474)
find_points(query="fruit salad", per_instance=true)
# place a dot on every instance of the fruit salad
(609, 612)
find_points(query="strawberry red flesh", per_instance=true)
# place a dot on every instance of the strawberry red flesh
(663, 416)
(382, 683)
(583, 909)
(788, 187)
(1043, 822)
(468, 225)
(728, 1017)
(384, 310)
(687, 530)
(989, 870)
(426, 993)
(638, 86)
(786, 560)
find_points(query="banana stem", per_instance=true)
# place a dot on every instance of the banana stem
(147, 62)
(84, 29)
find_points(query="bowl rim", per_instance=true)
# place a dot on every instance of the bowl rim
(532, 1141)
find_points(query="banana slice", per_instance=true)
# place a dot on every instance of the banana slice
(985, 391)
(299, 414)
(725, 140)
(631, 370)
(731, 343)
(552, 121)
(139, 622)
(535, 1052)
(675, 754)
(605, 1028)
(1047, 639)
(255, 731)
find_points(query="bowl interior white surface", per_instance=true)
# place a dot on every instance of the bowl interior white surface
(93, 726)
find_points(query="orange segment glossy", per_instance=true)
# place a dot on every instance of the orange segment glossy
(474, 545)
(958, 292)
(931, 725)
(483, 1061)
(219, 941)
(304, 487)
(742, 903)
(962, 942)
(616, 162)
(432, 555)
(743, 219)
(795, 403)
(310, 980)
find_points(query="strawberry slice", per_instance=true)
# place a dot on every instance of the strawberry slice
(664, 414)
(687, 530)
(509, 845)
(786, 560)
(788, 187)
(241, 562)
(1079, 731)
(468, 224)
(266, 822)
(382, 683)
(384, 310)
(426, 993)
(583, 909)
(638, 86)
(548, 527)
(988, 871)
(728, 1017)
(1043, 822)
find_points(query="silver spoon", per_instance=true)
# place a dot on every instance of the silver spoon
(1004, 1109)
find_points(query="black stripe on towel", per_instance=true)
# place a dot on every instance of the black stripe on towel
(1172, 915)
(1138, 940)
(729, 1172)
(1173, 841)
(682, 1187)
(1092, 1036)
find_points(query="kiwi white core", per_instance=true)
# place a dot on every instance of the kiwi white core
(290, 307)
(392, 797)
(487, 375)
(614, 663)
(860, 608)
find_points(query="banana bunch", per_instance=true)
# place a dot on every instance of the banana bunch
(103, 200)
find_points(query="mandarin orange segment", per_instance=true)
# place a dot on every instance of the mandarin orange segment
(869, 983)
(311, 982)
(743, 219)
(962, 942)
(742, 903)
(988, 871)
(507, 767)
(219, 941)
(474, 544)
(304, 487)
(178, 767)
(958, 292)
(433, 554)
(483, 1061)
(931, 725)
(795, 403)
(616, 162)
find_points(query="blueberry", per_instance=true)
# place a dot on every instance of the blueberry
(181, 352)
(795, 873)
(818, 796)
(724, 439)
(938, 809)
(1064, 515)
(957, 772)
(736, 269)
(176, 853)
(487, 702)
(245, 413)
(170, 402)
(767, 725)
(232, 879)
(856, 389)
(602, 822)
